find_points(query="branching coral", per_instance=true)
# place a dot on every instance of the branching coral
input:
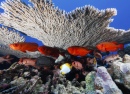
(7, 37)
(84, 26)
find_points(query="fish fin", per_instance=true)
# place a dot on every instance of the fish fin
(95, 61)
(121, 46)
(9, 60)
(104, 50)
(61, 67)
(114, 42)
(24, 51)
(63, 73)
(98, 55)
(107, 52)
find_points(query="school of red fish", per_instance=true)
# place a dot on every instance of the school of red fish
(73, 50)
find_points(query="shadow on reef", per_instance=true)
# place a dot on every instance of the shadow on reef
(123, 88)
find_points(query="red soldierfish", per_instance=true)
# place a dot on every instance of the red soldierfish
(24, 46)
(2, 59)
(109, 46)
(78, 51)
(111, 58)
(49, 51)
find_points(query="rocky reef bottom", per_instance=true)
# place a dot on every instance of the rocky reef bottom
(123, 88)
(21, 79)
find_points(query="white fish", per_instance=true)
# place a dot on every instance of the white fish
(65, 68)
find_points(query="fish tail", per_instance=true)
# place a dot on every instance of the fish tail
(121, 46)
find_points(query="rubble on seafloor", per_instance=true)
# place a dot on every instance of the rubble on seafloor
(20, 79)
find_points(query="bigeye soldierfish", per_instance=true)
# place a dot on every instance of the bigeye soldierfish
(24, 46)
(109, 46)
(78, 51)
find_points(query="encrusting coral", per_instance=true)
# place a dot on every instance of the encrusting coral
(84, 26)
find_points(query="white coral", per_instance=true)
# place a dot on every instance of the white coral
(7, 36)
(54, 27)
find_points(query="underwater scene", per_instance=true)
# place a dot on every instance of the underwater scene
(48, 50)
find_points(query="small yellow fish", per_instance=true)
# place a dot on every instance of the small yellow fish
(65, 68)
(94, 61)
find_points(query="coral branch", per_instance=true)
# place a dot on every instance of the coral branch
(54, 27)
(8, 37)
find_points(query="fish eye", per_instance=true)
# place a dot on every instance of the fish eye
(15, 44)
(74, 62)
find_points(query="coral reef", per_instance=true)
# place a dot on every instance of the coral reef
(126, 58)
(84, 26)
(22, 79)
(121, 73)
(90, 88)
(106, 82)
